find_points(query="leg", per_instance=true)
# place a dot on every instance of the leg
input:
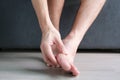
(55, 8)
(87, 13)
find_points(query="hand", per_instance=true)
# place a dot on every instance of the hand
(49, 39)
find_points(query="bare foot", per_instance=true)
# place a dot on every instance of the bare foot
(66, 59)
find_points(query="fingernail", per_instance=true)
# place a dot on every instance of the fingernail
(58, 66)
(48, 65)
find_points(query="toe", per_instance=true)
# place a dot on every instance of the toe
(63, 62)
(74, 70)
(66, 65)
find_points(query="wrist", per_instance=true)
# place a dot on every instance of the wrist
(46, 27)
(45, 24)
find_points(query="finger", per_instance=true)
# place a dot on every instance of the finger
(46, 60)
(49, 54)
(45, 50)
(74, 70)
(57, 61)
(60, 45)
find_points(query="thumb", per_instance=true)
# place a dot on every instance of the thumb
(60, 45)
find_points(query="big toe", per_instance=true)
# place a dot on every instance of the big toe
(66, 65)
(62, 60)
(74, 70)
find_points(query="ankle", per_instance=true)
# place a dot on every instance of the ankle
(75, 37)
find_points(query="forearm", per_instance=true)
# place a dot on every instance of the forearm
(88, 11)
(41, 9)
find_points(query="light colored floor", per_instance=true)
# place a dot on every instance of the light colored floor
(30, 66)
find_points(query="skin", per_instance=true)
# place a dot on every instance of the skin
(57, 52)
